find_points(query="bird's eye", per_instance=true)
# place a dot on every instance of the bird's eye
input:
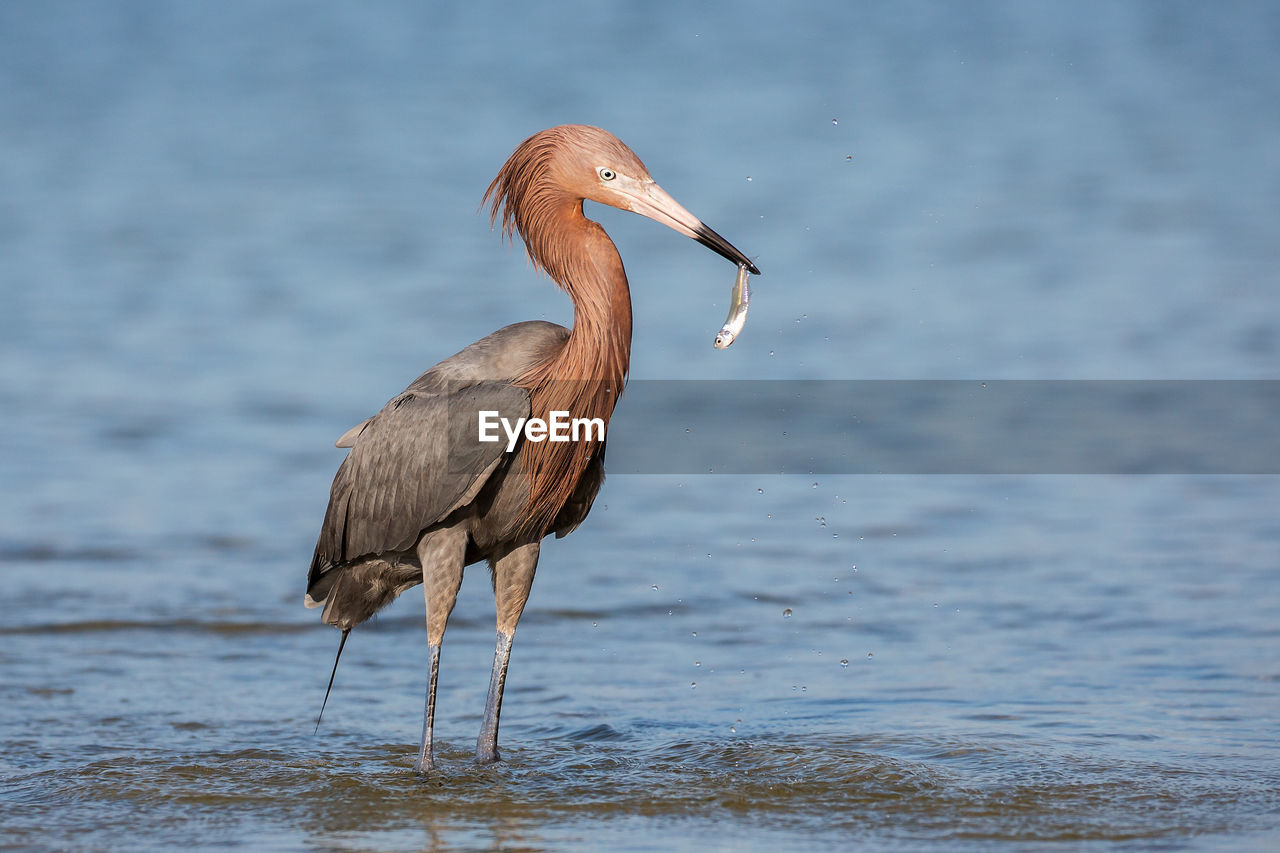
(606, 174)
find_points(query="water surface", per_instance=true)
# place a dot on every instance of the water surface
(229, 233)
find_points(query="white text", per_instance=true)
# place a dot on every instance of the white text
(560, 427)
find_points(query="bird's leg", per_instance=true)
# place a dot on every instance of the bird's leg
(426, 755)
(512, 577)
(442, 554)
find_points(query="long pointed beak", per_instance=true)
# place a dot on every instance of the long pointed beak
(649, 199)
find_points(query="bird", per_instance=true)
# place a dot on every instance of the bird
(419, 496)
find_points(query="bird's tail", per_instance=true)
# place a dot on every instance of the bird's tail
(353, 592)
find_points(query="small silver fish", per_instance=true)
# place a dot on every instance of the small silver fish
(738, 302)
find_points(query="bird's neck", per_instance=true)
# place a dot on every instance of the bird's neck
(584, 262)
(586, 376)
(599, 346)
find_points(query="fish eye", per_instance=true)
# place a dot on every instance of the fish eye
(606, 174)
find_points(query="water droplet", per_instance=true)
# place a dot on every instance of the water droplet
(848, 158)
(786, 614)
(835, 121)
(759, 491)
(814, 486)
(654, 587)
(822, 521)
(868, 654)
(693, 685)
(597, 624)
(733, 729)
(770, 353)
(748, 178)
(697, 663)
(695, 633)
(835, 535)
(844, 661)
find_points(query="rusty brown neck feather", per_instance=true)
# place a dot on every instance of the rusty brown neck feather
(587, 375)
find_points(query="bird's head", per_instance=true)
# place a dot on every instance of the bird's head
(583, 162)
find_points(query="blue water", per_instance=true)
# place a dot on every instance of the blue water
(230, 231)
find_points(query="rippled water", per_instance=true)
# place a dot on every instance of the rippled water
(890, 660)
(229, 233)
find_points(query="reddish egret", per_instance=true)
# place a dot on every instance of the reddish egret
(418, 497)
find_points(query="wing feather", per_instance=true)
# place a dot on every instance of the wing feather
(410, 466)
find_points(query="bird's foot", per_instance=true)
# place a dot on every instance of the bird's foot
(487, 755)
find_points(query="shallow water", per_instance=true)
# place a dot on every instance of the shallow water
(900, 661)
(229, 235)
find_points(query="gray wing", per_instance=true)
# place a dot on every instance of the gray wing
(348, 438)
(410, 466)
